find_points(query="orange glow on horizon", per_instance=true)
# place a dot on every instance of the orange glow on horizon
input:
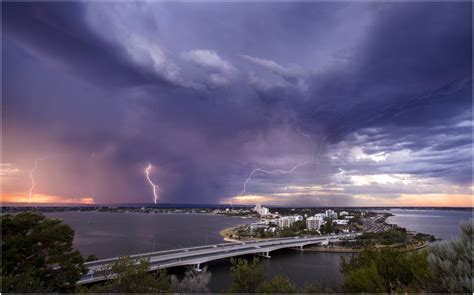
(44, 199)
(404, 200)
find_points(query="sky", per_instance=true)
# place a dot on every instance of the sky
(289, 104)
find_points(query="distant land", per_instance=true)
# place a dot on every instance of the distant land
(189, 206)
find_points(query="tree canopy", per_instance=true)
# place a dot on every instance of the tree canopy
(451, 263)
(128, 275)
(37, 254)
(386, 270)
(246, 276)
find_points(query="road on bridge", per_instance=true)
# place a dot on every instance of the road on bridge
(195, 256)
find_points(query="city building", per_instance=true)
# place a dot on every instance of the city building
(341, 221)
(262, 211)
(320, 216)
(313, 223)
(298, 217)
(286, 221)
(331, 214)
(343, 213)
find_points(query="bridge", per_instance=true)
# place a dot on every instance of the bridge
(195, 256)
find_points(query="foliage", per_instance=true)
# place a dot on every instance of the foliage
(37, 254)
(278, 284)
(132, 276)
(356, 220)
(327, 228)
(390, 237)
(193, 282)
(451, 263)
(386, 270)
(298, 225)
(315, 288)
(246, 276)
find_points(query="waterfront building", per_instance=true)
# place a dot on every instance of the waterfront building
(286, 221)
(313, 223)
(262, 211)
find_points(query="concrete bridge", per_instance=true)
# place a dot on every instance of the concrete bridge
(195, 256)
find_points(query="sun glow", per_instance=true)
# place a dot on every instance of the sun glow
(43, 199)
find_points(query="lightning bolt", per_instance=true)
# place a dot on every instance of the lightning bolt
(155, 187)
(33, 184)
(91, 158)
(314, 159)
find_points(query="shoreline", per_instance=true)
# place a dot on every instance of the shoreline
(228, 234)
(352, 250)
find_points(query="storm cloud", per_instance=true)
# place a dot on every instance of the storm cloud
(376, 96)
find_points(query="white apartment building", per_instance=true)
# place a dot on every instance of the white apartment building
(343, 213)
(331, 214)
(313, 223)
(286, 221)
(262, 211)
(320, 216)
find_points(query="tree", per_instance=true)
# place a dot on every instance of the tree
(193, 282)
(298, 226)
(246, 277)
(328, 227)
(132, 276)
(278, 284)
(451, 263)
(37, 254)
(386, 270)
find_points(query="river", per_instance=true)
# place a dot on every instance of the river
(114, 234)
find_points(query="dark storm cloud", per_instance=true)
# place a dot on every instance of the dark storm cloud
(206, 93)
(57, 31)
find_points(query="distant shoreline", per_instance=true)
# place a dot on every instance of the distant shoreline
(229, 235)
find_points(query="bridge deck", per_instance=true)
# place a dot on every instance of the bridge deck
(198, 255)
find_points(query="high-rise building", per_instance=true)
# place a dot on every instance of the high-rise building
(262, 211)
(313, 223)
(331, 214)
(286, 221)
(320, 216)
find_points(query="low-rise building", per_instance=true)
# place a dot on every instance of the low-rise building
(341, 221)
(298, 217)
(343, 213)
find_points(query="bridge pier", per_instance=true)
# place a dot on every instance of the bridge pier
(197, 267)
(298, 248)
(264, 254)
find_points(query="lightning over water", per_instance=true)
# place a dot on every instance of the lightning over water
(91, 159)
(33, 183)
(314, 159)
(155, 187)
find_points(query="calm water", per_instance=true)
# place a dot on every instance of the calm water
(442, 224)
(115, 234)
